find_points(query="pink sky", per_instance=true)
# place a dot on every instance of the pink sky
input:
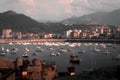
(58, 9)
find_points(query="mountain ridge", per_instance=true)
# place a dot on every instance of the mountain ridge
(25, 24)
(106, 18)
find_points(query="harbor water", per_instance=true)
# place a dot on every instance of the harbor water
(91, 55)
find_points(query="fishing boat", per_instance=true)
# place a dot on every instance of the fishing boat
(106, 52)
(2, 51)
(96, 50)
(26, 52)
(39, 49)
(25, 55)
(55, 53)
(14, 50)
(74, 59)
(62, 50)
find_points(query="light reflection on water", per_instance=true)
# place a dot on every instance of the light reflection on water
(89, 59)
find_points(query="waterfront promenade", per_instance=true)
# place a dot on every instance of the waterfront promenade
(2, 41)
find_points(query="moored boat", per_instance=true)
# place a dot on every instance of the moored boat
(14, 50)
(96, 50)
(2, 51)
(74, 59)
(55, 53)
(25, 54)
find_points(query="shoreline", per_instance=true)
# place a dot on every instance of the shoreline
(7, 41)
(30, 41)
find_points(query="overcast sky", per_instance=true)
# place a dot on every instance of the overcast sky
(57, 9)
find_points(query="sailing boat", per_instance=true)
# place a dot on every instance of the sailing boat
(25, 54)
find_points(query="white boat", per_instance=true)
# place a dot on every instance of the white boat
(26, 52)
(7, 50)
(10, 43)
(39, 49)
(103, 45)
(25, 55)
(71, 45)
(106, 53)
(62, 50)
(2, 51)
(96, 50)
(2, 54)
(109, 45)
(55, 53)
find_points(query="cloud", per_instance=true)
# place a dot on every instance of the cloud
(58, 9)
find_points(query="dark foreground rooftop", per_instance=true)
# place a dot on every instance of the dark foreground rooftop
(108, 73)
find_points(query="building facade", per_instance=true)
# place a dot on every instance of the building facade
(7, 33)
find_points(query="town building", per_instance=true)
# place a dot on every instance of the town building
(7, 33)
(17, 35)
(48, 36)
(75, 34)
(68, 34)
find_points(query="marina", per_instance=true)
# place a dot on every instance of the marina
(90, 56)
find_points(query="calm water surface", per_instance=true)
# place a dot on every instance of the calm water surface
(89, 59)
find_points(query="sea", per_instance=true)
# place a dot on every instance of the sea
(92, 55)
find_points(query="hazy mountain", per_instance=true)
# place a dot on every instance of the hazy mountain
(23, 23)
(19, 22)
(111, 18)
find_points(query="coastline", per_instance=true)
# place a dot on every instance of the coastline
(2, 41)
(6, 41)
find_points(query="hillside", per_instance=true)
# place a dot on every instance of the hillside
(19, 22)
(107, 18)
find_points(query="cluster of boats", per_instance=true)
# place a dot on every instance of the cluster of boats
(57, 52)
(4, 51)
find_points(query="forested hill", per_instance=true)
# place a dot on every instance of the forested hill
(19, 22)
